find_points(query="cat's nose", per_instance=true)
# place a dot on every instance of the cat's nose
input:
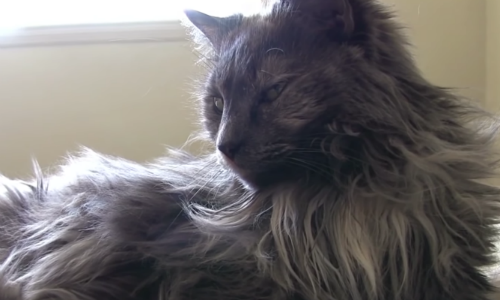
(229, 149)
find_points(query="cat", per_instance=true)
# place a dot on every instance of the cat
(337, 172)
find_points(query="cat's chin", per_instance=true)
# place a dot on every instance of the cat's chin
(256, 179)
(246, 177)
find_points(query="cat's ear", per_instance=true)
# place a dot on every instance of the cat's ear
(332, 16)
(214, 28)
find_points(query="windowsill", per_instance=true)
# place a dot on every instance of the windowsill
(99, 33)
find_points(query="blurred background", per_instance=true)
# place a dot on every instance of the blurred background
(116, 76)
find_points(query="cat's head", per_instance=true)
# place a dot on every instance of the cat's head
(292, 92)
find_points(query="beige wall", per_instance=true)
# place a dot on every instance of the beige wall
(131, 99)
(124, 99)
(493, 55)
(449, 41)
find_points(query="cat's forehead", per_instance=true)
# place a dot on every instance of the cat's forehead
(248, 49)
(264, 36)
(253, 33)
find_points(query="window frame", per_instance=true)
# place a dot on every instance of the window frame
(158, 31)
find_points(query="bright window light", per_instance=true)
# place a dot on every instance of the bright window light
(33, 13)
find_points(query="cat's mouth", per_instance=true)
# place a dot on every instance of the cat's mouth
(255, 177)
(238, 170)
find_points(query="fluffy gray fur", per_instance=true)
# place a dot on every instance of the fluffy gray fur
(346, 175)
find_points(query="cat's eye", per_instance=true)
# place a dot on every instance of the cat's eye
(274, 92)
(218, 103)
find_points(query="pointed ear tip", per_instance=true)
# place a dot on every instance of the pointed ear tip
(189, 12)
(196, 16)
(191, 16)
(192, 13)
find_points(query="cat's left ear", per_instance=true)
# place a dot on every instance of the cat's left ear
(333, 16)
(214, 28)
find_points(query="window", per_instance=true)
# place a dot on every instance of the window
(27, 13)
(24, 22)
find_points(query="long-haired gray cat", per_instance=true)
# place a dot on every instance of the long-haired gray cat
(339, 173)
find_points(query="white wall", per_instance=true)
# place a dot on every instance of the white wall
(131, 99)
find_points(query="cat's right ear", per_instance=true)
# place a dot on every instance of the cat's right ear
(214, 28)
(332, 16)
